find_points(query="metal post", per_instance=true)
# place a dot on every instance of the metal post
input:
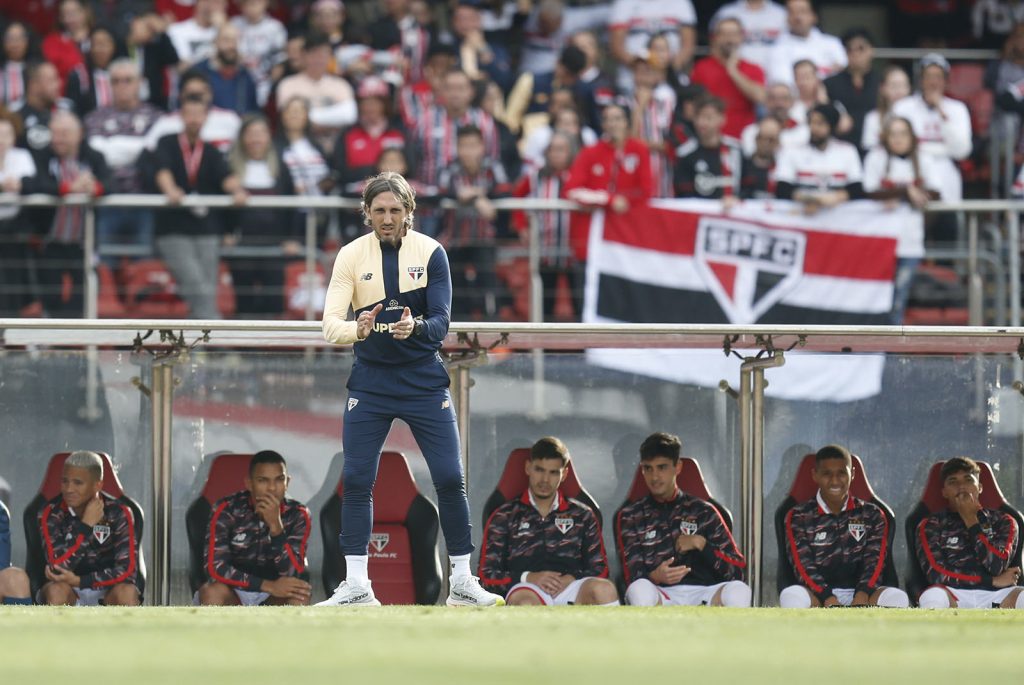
(310, 263)
(536, 284)
(974, 289)
(461, 385)
(90, 295)
(1013, 248)
(160, 565)
(752, 385)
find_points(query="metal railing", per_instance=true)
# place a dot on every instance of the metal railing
(1000, 256)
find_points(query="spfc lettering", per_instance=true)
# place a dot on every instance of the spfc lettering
(748, 268)
(101, 533)
(564, 525)
(688, 527)
(416, 273)
(856, 530)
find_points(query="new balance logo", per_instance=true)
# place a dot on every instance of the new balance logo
(366, 277)
(239, 537)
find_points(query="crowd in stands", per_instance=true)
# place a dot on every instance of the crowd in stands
(474, 100)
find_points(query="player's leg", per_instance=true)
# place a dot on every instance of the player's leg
(797, 597)
(937, 597)
(122, 595)
(14, 586)
(644, 593)
(891, 597)
(734, 593)
(56, 594)
(597, 591)
(527, 595)
(1013, 600)
(214, 594)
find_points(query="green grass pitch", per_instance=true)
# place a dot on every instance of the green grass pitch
(525, 646)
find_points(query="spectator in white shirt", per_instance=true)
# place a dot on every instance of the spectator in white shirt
(942, 124)
(804, 41)
(894, 87)
(634, 22)
(331, 99)
(780, 105)
(261, 43)
(548, 28)
(897, 171)
(193, 38)
(763, 23)
(824, 173)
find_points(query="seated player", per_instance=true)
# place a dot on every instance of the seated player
(837, 544)
(88, 540)
(14, 586)
(675, 547)
(544, 548)
(256, 547)
(965, 550)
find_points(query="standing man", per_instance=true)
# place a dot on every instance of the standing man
(837, 544)
(675, 548)
(965, 550)
(543, 548)
(42, 98)
(88, 540)
(709, 165)
(804, 41)
(14, 585)
(856, 86)
(724, 74)
(397, 282)
(233, 86)
(256, 545)
(763, 23)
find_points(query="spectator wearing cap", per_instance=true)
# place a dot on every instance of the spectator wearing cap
(763, 22)
(233, 86)
(548, 29)
(358, 148)
(479, 58)
(942, 125)
(528, 102)
(738, 83)
(634, 22)
(804, 40)
(856, 86)
(652, 106)
(823, 173)
(332, 102)
(399, 30)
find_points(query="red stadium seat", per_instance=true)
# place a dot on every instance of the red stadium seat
(226, 476)
(298, 289)
(513, 484)
(690, 480)
(932, 501)
(150, 291)
(50, 487)
(803, 489)
(405, 561)
(108, 305)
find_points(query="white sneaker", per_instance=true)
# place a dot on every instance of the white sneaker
(350, 594)
(466, 592)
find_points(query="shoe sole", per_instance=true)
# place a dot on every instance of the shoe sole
(374, 603)
(458, 603)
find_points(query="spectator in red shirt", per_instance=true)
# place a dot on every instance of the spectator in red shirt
(358, 148)
(614, 173)
(64, 49)
(737, 82)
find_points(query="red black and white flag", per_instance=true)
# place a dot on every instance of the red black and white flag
(684, 261)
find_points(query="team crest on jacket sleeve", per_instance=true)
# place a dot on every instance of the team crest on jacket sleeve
(856, 530)
(564, 525)
(416, 273)
(688, 527)
(101, 533)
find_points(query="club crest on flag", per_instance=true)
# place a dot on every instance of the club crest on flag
(564, 525)
(748, 268)
(379, 541)
(856, 530)
(688, 527)
(101, 533)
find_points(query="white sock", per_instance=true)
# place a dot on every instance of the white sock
(893, 597)
(355, 569)
(795, 597)
(934, 598)
(460, 566)
(736, 593)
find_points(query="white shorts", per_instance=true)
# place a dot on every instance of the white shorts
(979, 599)
(563, 598)
(87, 597)
(246, 598)
(688, 595)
